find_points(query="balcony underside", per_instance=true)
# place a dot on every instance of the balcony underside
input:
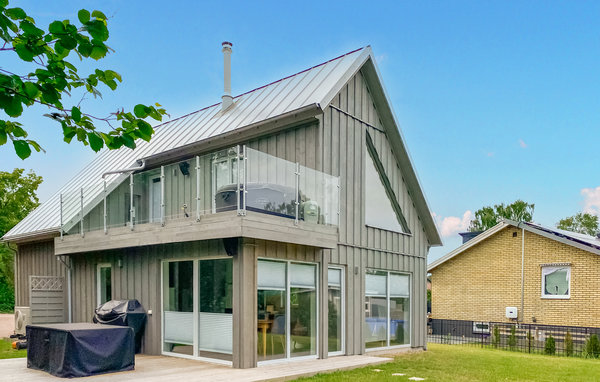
(216, 226)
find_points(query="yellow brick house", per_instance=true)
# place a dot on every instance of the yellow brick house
(542, 275)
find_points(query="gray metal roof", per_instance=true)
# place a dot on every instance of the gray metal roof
(313, 86)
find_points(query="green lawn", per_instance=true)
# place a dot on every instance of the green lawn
(463, 363)
(6, 351)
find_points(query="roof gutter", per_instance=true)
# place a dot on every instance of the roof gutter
(130, 169)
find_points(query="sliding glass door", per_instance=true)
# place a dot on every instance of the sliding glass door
(387, 309)
(287, 310)
(335, 322)
(197, 308)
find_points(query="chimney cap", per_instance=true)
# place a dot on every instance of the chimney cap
(226, 43)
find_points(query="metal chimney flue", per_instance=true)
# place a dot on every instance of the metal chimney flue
(227, 98)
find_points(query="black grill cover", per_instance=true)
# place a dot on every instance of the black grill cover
(123, 313)
(80, 350)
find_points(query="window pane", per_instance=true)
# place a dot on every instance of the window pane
(302, 275)
(399, 321)
(376, 284)
(178, 296)
(335, 319)
(556, 281)
(271, 343)
(105, 285)
(399, 286)
(216, 318)
(303, 321)
(334, 277)
(375, 322)
(271, 274)
(155, 208)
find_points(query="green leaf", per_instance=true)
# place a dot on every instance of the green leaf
(128, 141)
(85, 48)
(56, 27)
(76, 114)
(12, 106)
(3, 3)
(3, 137)
(97, 30)
(96, 143)
(99, 15)
(22, 148)
(19, 132)
(83, 15)
(140, 111)
(15, 13)
(31, 90)
(68, 42)
(30, 29)
(24, 52)
(98, 51)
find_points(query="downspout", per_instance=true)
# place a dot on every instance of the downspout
(522, 269)
(69, 300)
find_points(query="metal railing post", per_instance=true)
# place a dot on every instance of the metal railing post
(198, 188)
(239, 210)
(131, 207)
(81, 217)
(162, 196)
(297, 204)
(61, 216)
(245, 173)
(105, 214)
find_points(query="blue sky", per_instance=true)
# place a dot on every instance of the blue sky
(496, 100)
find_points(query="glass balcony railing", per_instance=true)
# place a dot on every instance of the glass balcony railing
(238, 178)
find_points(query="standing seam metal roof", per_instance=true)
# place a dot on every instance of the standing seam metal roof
(308, 87)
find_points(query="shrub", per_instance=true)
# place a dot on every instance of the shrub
(7, 296)
(568, 344)
(550, 346)
(496, 337)
(512, 339)
(592, 346)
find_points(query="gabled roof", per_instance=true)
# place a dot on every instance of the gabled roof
(574, 239)
(308, 91)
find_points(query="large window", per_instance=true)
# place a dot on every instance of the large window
(556, 281)
(387, 309)
(104, 283)
(287, 310)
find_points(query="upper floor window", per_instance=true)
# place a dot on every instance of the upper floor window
(556, 281)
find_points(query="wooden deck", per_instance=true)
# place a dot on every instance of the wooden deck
(164, 369)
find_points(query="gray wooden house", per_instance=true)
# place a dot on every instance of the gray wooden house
(284, 223)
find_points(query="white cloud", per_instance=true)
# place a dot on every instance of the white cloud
(452, 225)
(591, 200)
(522, 143)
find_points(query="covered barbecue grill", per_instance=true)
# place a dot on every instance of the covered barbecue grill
(123, 313)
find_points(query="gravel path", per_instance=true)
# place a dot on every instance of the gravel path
(7, 325)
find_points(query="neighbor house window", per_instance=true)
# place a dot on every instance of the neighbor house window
(556, 281)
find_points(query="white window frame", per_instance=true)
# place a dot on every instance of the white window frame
(343, 312)
(388, 298)
(543, 278)
(288, 353)
(99, 281)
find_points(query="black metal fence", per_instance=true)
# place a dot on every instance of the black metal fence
(529, 338)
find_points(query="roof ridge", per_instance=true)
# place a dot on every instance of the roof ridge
(261, 87)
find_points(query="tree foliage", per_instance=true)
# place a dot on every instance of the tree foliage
(17, 199)
(54, 79)
(581, 222)
(487, 217)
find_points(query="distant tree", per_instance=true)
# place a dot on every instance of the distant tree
(53, 78)
(17, 199)
(488, 216)
(581, 222)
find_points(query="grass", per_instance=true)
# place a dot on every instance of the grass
(6, 350)
(465, 364)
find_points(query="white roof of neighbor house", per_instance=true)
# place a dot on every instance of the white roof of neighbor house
(578, 240)
(313, 87)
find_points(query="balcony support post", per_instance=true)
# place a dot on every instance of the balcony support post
(245, 173)
(61, 217)
(237, 194)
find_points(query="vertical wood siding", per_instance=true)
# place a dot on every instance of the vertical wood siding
(35, 259)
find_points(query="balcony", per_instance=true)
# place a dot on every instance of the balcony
(238, 191)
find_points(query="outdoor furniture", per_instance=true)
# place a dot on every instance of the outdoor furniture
(264, 325)
(80, 350)
(123, 313)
